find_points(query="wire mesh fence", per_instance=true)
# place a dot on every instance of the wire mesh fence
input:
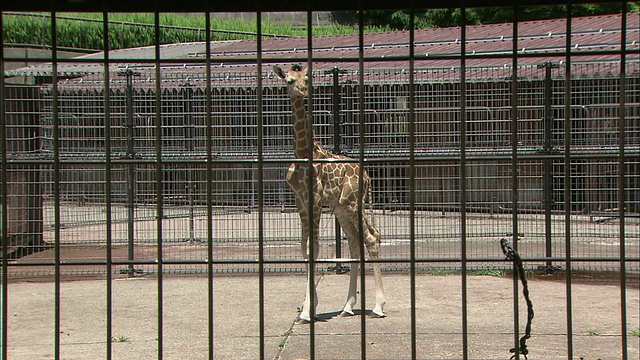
(72, 167)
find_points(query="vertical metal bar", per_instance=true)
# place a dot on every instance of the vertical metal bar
(107, 185)
(622, 181)
(122, 35)
(337, 148)
(159, 184)
(131, 183)
(412, 185)
(548, 163)
(209, 181)
(44, 31)
(547, 116)
(4, 307)
(337, 121)
(260, 181)
(56, 182)
(310, 186)
(187, 107)
(361, 139)
(567, 185)
(514, 172)
(463, 178)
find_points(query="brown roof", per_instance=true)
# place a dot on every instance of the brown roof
(491, 45)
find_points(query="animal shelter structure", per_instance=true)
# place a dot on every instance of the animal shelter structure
(354, 110)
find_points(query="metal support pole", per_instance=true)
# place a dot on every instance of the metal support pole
(187, 95)
(130, 155)
(337, 149)
(337, 121)
(547, 150)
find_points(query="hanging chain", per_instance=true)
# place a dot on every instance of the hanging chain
(510, 254)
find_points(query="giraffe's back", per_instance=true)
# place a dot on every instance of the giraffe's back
(340, 182)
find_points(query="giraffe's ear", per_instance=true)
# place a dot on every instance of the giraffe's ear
(279, 71)
(306, 71)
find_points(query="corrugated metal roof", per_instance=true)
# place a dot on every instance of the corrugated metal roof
(593, 38)
(442, 47)
(142, 57)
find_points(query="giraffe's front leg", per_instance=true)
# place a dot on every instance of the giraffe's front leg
(310, 293)
(310, 248)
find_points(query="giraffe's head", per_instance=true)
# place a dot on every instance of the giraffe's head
(296, 80)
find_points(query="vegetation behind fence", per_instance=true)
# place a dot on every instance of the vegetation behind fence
(85, 31)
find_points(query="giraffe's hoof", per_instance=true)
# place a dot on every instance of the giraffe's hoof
(375, 315)
(302, 321)
(345, 314)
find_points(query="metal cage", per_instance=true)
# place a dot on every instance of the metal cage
(122, 167)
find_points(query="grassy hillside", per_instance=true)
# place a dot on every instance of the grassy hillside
(85, 31)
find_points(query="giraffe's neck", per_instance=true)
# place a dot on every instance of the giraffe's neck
(302, 127)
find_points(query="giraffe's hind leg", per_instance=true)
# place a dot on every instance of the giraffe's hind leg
(349, 223)
(371, 239)
(350, 231)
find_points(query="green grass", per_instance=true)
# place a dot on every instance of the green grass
(440, 271)
(488, 272)
(127, 30)
(285, 337)
(592, 332)
(120, 339)
(635, 333)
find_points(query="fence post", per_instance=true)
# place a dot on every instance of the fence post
(187, 108)
(548, 149)
(130, 155)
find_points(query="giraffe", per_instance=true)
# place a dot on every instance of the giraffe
(336, 185)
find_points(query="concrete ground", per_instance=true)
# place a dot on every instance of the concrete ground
(595, 319)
